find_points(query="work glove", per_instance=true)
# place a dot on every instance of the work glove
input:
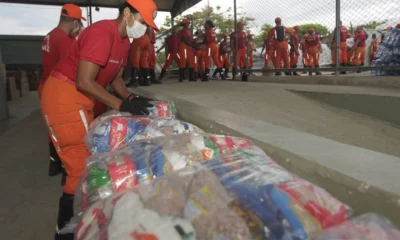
(136, 106)
(133, 96)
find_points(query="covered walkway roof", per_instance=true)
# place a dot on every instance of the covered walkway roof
(175, 7)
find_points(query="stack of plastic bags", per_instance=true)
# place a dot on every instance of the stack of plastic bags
(388, 53)
(159, 178)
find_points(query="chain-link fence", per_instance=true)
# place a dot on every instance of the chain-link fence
(367, 39)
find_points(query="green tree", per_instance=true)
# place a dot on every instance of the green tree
(258, 39)
(372, 24)
(320, 30)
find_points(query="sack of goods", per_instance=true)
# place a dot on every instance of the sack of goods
(158, 178)
(388, 54)
(112, 132)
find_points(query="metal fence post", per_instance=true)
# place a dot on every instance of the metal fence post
(337, 37)
(236, 36)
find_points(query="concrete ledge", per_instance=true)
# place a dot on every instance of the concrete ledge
(364, 179)
(384, 108)
(383, 81)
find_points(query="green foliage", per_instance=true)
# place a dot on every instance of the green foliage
(372, 24)
(320, 30)
(258, 39)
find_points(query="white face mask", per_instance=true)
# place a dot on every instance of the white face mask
(136, 30)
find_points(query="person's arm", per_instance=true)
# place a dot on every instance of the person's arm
(186, 40)
(119, 86)
(86, 82)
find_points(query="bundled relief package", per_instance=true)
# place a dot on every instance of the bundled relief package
(368, 226)
(141, 161)
(234, 192)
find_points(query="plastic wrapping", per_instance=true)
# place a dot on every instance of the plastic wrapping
(111, 132)
(140, 161)
(388, 53)
(234, 192)
(366, 227)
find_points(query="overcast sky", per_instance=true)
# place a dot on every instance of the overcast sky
(38, 19)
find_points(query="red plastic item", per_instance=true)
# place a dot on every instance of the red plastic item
(118, 131)
(122, 173)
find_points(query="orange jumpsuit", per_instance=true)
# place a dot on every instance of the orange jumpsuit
(241, 43)
(185, 51)
(200, 55)
(294, 47)
(172, 43)
(222, 55)
(373, 49)
(343, 46)
(277, 36)
(212, 49)
(313, 49)
(69, 112)
(269, 52)
(139, 52)
(305, 57)
(152, 52)
(250, 58)
(359, 53)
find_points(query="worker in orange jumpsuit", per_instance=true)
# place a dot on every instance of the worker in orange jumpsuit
(373, 48)
(200, 55)
(313, 46)
(294, 49)
(152, 56)
(224, 49)
(269, 51)
(277, 36)
(240, 55)
(186, 51)
(249, 52)
(343, 46)
(139, 56)
(172, 43)
(210, 39)
(359, 47)
(93, 62)
(54, 46)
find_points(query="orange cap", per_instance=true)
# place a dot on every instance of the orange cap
(147, 9)
(174, 30)
(297, 28)
(278, 19)
(185, 21)
(249, 35)
(311, 30)
(306, 35)
(398, 25)
(240, 23)
(73, 11)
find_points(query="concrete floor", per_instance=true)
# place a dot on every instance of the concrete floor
(273, 104)
(29, 199)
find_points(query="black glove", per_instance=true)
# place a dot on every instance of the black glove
(133, 96)
(136, 106)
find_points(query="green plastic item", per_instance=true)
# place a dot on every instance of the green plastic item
(98, 177)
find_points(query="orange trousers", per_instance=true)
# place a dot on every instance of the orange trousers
(140, 53)
(152, 56)
(358, 56)
(187, 56)
(343, 53)
(171, 57)
(305, 58)
(225, 61)
(67, 113)
(313, 53)
(199, 60)
(282, 54)
(269, 56)
(241, 58)
(294, 59)
(212, 52)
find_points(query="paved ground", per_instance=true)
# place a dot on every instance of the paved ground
(273, 104)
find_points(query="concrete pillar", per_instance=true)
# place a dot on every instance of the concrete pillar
(3, 93)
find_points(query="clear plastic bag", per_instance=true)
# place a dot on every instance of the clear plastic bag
(141, 161)
(111, 132)
(239, 193)
(368, 226)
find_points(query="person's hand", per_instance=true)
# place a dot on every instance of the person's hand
(136, 106)
(138, 97)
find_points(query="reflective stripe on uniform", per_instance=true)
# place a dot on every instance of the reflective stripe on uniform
(185, 54)
(209, 51)
(179, 57)
(83, 117)
(168, 56)
(52, 133)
